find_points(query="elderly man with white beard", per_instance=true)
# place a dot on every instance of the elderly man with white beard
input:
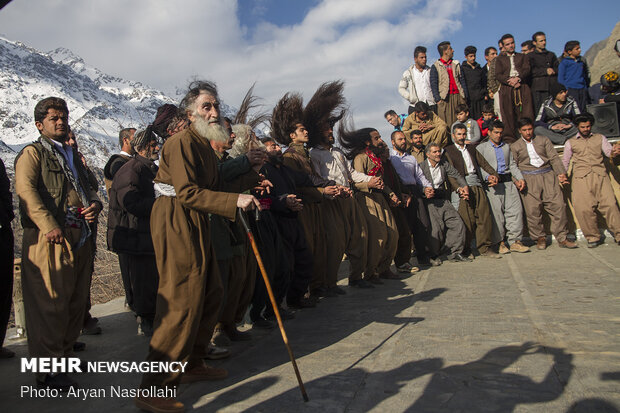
(188, 189)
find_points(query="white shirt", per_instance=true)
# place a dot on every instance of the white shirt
(126, 154)
(469, 165)
(422, 82)
(67, 152)
(435, 174)
(535, 160)
(332, 164)
(513, 69)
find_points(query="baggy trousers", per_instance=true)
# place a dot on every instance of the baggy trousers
(143, 282)
(190, 289)
(403, 247)
(276, 261)
(543, 192)
(590, 193)
(447, 228)
(507, 212)
(476, 216)
(382, 232)
(55, 282)
(348, 233)
(296, 248)
(312, 221)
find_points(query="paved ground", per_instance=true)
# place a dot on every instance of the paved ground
(537, 332)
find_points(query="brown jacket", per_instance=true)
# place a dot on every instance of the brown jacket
(44, 191)
(544, 148)
(502, 68)
(454, 156)
(362, 163)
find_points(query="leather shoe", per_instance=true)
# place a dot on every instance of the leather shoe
(541, 243)
(567, 244)
(159, 404)
(389, 275)
(338, 290)
(360, 284)
(79, 346)
(60, 382)
(263, 324)
(300, 303)
(203, 373)
(376, 281)
(284, 314)
(216, 353)
(5, 353)
(594, 244)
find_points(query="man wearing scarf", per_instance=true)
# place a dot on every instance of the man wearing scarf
(447, 83)
(362, 146)
(56, 205)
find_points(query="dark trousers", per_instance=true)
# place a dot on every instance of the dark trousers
(123, 264)
(276, 262)
(475, 108)
(581, 96)
(6, 277)
(420, 224)
(143, 281)
(403, 249)
(539, 97)
(296, 247)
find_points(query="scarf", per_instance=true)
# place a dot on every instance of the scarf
(453, 88)
(378, 168)
(85, 229)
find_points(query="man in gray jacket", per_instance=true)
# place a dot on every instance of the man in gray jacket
(415, 85)
(504, 197)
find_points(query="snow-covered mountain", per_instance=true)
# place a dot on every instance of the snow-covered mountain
(100, 105)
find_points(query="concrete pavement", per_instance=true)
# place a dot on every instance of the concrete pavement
(535, 332)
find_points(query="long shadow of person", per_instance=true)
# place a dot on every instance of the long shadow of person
(484, 386)
(329, 393)
(592, 405)
(318, 329)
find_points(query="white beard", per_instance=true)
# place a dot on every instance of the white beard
(212, 131)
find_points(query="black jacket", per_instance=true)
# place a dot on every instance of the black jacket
(285, 181)
(131, 199)
(476, 80)
(539, 63)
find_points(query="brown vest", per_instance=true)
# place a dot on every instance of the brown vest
(587, 156)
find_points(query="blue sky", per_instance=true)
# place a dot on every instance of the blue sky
(291, 45)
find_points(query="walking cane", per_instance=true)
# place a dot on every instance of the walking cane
(273, 302)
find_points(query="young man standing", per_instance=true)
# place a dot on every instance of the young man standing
(415, 84)
(57, 205)
(573, 73)
(543, 172)
(504, 197)
(447, 83)
(591, 187)
(476, 80)
(544, 68)
(512, 69)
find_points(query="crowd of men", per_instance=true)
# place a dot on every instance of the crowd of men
(451, 188)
